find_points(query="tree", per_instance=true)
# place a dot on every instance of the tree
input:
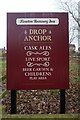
(72, 7)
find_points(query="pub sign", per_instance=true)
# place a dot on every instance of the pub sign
(37, 51)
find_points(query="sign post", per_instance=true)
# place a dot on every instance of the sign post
(13, 101)
(62, 101)
(37, 51)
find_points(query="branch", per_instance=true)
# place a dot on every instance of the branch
(71, 9)
(71, 39)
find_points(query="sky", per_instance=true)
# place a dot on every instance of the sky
(23, 6)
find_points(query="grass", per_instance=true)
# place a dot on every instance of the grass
(3, 94)
(2, 67)
(73, 70)
(43, 116)
(0, 112)
(53, 92)
(3, 78)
